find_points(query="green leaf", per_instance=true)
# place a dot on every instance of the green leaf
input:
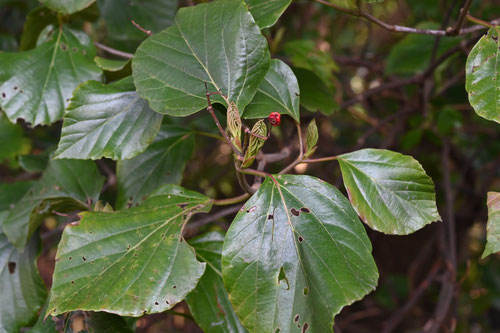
(493, 229)
(35, 163)
(208, 302)
(162, 163)
(130, 262)
(413, 53)
(217, 43)
(67, 6)
(295, 255)
(266, 13)
(10, 193)
(22, 290)
(390, 191)
(152, 15)
(102, 322)
(483, 75)
(314, 94)
(36, 85)
(279, 92)
(36, 20)
(114, 69)
(304, 54)
(107, 121)
(13, 140)
(66, 185)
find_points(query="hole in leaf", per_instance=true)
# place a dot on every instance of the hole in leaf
(251, 209)
(305, 210)
(12, 267)
(296, 318)
(84, 259)
(70, 258)
(270, 217)
(64, 47)
(72, 282)
(301, 239)
(3, 95)
(295, 212)
(174, 287)
(75, 49)
(306, 291)
(282, 276)
(156, 303)
(15, 87)
(305, 327)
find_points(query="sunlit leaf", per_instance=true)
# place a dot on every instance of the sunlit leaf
(295, 255)
(171, 68)
(391, 192)
(129, 262)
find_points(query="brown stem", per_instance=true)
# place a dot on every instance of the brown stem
(399, 28)
(147, 32)
(460, 20)
(113, 51)
(230, 201)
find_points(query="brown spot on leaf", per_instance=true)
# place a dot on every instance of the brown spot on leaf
(305, 327)
(12, 267)
(296, 318)
(305, 210)
(295, 212)
(301, 239)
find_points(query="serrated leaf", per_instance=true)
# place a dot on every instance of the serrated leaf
(107, 121)
(67, 6)
(279, 92)
(129, 262)
(22, 290)
(208, 302)
(267, 12)
(295, 255)
(482, 75)
(216, 43)
(390, 191)
(162, 163)
(36, 85)
(66, 185)
(493, 228)
(152, 15)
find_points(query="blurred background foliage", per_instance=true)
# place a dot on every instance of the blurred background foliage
(337, 58)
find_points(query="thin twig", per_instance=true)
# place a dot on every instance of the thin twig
(399, 28)
(113, 51)
(460, 20)
(147, 32)
(230, 201)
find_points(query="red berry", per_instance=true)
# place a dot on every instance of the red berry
(274, 118)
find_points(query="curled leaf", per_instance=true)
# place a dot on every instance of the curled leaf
(234, 124)
(255, 144)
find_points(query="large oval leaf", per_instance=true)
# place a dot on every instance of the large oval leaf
(390, 191)
(267, 12)
(295, 254)
(482, 75)
(493, 230)
(36, 85)
(65, 184)
(217, 43)
(208, 302)
(107, 121)
(129, 262)
(162, 163)
(279, 92)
